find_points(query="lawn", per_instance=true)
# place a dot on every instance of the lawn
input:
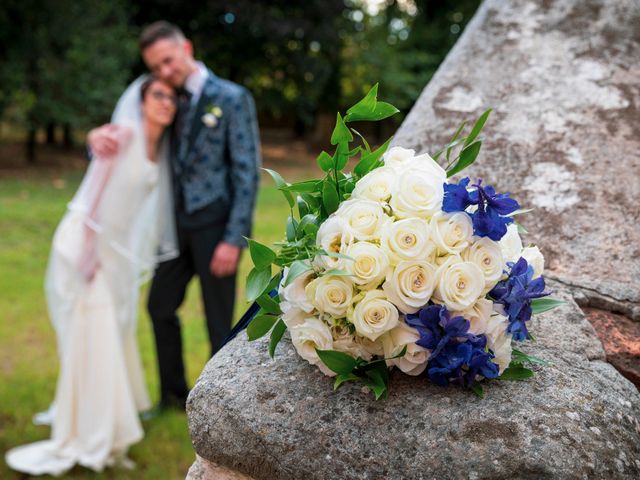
(31, 204)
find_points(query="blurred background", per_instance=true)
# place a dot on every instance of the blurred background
(63, 65)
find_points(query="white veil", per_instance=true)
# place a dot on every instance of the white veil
(134, 214)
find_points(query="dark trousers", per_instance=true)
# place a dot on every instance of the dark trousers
(167, 293)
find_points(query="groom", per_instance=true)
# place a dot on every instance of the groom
(215, 157)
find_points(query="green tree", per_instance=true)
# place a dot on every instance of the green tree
(66, 63)
(401, 46)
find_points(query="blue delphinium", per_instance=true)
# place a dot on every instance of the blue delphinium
(516, 294)
(456, 355)
(489, 219)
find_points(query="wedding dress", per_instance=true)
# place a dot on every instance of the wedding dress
(126, 207)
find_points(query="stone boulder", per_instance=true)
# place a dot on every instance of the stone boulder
(280, 419)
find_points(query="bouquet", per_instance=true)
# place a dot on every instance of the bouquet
(395, 265)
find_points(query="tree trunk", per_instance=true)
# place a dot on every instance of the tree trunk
(31, 145)
(51, 133)
(67, 136)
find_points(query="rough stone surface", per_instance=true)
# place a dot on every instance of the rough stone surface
(205, 470)
(564, 135)
(619, 336)
(563, 139)
(281, 420)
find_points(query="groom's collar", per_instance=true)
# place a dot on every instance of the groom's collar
(195, 82)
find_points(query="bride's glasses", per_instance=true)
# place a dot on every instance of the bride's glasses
(158, 95)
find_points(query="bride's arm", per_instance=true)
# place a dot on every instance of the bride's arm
(103, 169)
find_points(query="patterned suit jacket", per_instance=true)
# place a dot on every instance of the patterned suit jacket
(219, 164)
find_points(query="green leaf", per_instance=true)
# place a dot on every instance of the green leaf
(303, 207)
(268, 304)
(383, 110)
(364, 140)
(340, 379)
(330, 198)
(276, 336)
(478, 390)
(521, 229)
(521, 357)
(296, 269)
(280, 182)
(451, 143)
(260, 326)
(520, 212)
(312, 201)
(365, 106)
(261, 255)
(367, 162)
(291, 229)
(338, 362)
(257, 282)
(477, 127)
(303, 187)
(467, 157)
(325, 161)
(275, 281)
(516, 373)
(378, 380)
(539, 305)
(309, 223)
(340, 133)
(342, 155)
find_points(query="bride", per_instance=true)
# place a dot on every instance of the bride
(117, 227)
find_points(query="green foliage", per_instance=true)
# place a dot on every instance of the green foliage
(65, 61)
(539, 305)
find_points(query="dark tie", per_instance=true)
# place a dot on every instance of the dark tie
(182, 119)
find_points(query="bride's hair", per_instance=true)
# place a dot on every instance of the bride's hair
(145, 86)
(158, 31)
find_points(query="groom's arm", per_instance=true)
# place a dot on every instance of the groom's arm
(244, 149)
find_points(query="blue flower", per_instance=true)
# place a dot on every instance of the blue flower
(456, 355)
(516, 294)
(489, 220)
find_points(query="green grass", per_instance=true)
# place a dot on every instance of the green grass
(31, 205)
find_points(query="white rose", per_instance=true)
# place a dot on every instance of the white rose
(478, 315)
(398, 156)
(407, 239)
(415, 360)
(534, 257)
(451, 232)
(210, 120)
(459, 284)
(294, 293)
(292, 315)
(417, 194)
(346, 342)
(331, 294)
(376, 185)
(487, 255)
(511, 244)
(499, 341)
(311, 334)
(429, 165)
(373, 315)
(365, 218)
(369, 266)
(334, 236)
(410, 285)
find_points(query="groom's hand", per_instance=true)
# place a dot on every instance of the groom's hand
(105, 141)
(225, 260)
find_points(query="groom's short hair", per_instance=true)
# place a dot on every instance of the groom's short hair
(159, 31)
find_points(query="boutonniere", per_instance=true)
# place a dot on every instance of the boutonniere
(211, 116)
